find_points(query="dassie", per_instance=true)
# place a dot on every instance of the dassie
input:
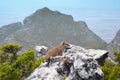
(58, 50)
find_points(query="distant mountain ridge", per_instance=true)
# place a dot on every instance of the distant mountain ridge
(8, 30)
(47, 27)
(114, 45)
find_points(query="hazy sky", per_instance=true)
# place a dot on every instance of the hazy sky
(100, 15)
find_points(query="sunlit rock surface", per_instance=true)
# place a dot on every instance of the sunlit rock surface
(76, 63)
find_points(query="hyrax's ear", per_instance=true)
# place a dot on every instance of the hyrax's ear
(63, 43)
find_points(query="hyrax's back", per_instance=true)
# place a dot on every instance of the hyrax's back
(58, 50)
(51, 52)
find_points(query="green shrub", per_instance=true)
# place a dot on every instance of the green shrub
(112, 70)
(22, 64)
(117, 57)
(8, 49)
(115, 73)
(107, 69)
(38, 62)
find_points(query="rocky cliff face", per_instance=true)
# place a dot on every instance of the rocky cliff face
(46, 27)
(76, 63)
(114, 45)
(7, 30)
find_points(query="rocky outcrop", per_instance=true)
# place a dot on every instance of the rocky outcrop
(47, 27)
(40, 50)
(76, 63)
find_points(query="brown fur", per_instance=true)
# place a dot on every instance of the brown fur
(58, 50)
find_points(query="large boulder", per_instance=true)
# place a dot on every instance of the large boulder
(76, 63)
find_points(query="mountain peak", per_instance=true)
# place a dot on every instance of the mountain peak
(45, 9)
(46, 16)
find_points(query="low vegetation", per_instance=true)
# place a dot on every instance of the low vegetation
(111, 70)
(14, 66)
